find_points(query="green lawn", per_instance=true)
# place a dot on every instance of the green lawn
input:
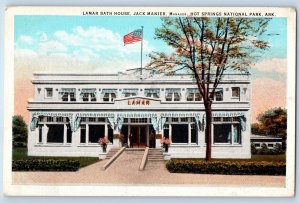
(255, 158)
(21, 153)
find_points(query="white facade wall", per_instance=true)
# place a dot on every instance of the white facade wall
(41, 104)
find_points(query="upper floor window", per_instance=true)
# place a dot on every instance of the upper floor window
(218, 96)
(193, 94)
(153, 92)
(88, 94)
(68, 94)
(173, 94)
(49, 92)
(235, 92)
(130, 92)
(109, 95)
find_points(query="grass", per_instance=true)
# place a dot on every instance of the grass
(254, 158)
(21, 154)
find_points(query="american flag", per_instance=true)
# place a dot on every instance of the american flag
(132, 37)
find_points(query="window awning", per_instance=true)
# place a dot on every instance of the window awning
(173, 90)
(137, 115)
(134, 91)
(66, 90)
(152, 91)
(180, 114)
(91, 91)
(192, 90)
(115, 91)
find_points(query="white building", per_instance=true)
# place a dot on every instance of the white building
(69, 112)
(269, 141)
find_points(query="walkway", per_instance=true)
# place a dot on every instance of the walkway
(125, 171)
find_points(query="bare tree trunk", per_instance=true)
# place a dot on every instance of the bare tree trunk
(208, 131)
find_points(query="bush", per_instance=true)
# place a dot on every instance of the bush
(264, 150)
(226, 167)
(19, 144)
(45, 165)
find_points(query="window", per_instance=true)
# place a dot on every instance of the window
(130, 92)
(172, 94)
(101, 119)
(109, 97)
(175, 119)
(194, 97)
(92, 119)
(59, 119)
(180, 133)
(152, 92)
(125, 120)
(49, 119)
(222, 133)
(138, 120)
(270, 145)
(227, 133)
(257, 145)
(219, 96)
(235, 92)
(193, 133)
(110, 134)
(88, 95)
(226, 119)
(40, 133)
(68, 96)
(69, 134)
(153, 95)
(55, 133)
(217, 119)
(166, 130)
(39, 90)
(49, 92)
(95, 132)
(82, 133)
(184, 119)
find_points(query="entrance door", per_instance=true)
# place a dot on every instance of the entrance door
(139, 135)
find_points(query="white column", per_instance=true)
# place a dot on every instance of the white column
(44, 135)
(76, 138)
(106, 130)
(65, 134)
(189, 134)
(77, 95)
(86, 133)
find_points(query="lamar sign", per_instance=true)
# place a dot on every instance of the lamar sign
(138, 102)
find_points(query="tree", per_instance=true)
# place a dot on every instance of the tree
(271, 122)
(206, 48)
(19, 131)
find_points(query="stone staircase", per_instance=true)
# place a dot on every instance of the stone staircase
(155, 155)
(112, 152)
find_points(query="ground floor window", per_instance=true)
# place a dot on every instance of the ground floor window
(69, 134)
(95, 132)
(179, 133)
(227, 133)
(193, 133)
(82, 133)
(55, 133)
(40, 133)
(110, 134)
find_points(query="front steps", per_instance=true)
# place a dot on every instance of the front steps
(112, 152)
(155, 155)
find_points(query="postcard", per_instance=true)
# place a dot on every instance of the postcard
(149, 101)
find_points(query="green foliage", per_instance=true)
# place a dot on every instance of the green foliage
(45, 165)
(271, 122)
(21, 154)
(264, 150)
(226, 167)
(19, 131)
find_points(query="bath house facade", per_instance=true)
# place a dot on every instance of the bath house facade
(70, 112)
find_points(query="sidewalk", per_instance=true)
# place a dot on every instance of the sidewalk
(125, 171)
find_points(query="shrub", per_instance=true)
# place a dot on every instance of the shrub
(264, 150)
(253, 149)
(45, 165)
(226, 167)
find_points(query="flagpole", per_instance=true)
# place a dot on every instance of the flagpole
(141, 72)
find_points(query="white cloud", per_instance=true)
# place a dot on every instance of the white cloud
(42, 36)
(26, 39)
(275, 64)
(52, 46)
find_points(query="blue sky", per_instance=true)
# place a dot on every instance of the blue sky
(32, 31)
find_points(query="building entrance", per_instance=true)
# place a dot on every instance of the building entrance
(138, 136)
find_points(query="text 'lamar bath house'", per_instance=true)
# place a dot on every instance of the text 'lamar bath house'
(70, 112)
